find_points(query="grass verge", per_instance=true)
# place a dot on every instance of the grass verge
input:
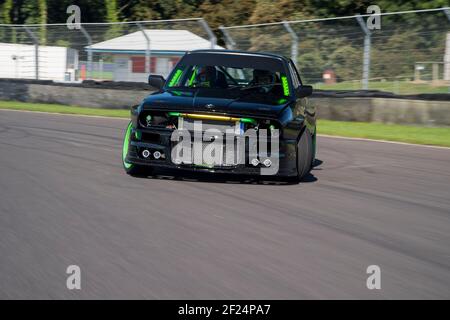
(438, 136)
(390, 132)
(57, 108)
(397, 87)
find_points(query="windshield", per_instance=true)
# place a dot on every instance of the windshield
(230, 78)
(252, 75)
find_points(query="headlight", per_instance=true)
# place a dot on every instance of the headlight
(149, 119)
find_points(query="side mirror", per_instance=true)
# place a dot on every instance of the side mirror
(134, 109)
(134, 114)
(304, 91)
(156, 81)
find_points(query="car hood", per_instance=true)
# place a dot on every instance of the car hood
(217, 101)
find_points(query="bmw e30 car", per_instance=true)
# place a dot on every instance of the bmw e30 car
(225, 112)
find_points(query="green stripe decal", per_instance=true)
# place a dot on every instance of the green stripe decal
(191, 81)
(138, 135)
(249, 120)
(175, 77)
(285, 84)
(126, 143)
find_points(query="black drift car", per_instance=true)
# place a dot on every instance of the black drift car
(225, 111)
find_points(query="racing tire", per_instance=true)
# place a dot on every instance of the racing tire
(130, 168)
(305, 154)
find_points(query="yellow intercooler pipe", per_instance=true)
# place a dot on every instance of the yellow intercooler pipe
(209, 117)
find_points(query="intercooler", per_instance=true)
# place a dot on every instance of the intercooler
(213, 143)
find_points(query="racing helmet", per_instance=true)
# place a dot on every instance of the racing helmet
(206, 76)
(261, 77)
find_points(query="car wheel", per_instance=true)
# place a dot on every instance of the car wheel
(304, 155)
(130, 168)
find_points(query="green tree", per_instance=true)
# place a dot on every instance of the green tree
(311, 67)
(226, 12)
(111, 11)
(275, 11)
(115, 29)
(42, 9)
(7, 34)
(6, 11)
(29, 12)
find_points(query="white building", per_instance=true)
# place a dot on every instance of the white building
(447, 58)
(54, 63)
(165, 47)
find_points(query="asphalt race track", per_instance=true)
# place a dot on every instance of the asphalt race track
(65, 200)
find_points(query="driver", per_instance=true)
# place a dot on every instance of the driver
(206, 77)
(264, 78)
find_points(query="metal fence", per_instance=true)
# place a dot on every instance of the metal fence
(98, 50)
(410, 53)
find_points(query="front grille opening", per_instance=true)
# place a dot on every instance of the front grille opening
(150, 137)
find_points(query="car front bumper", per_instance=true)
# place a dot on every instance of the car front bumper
(160, 141)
